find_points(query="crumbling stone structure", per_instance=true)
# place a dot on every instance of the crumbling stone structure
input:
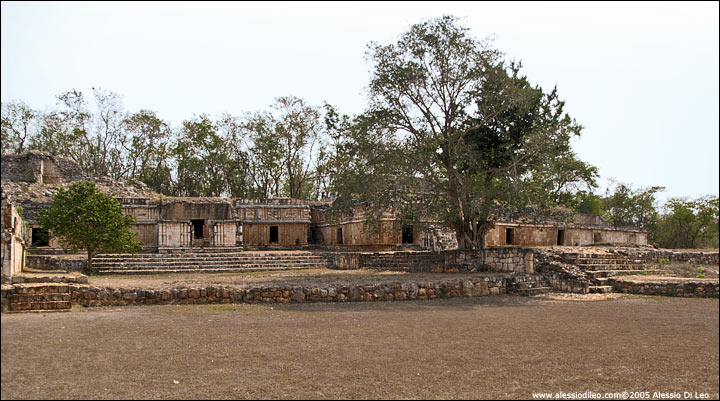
(172, 223)
(12, 242)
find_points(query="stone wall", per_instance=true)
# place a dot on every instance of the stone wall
(509, 259)
(12, 242)
(670, 287)
(87, 295)
(40, 167)
(51, 262)
(654, 255)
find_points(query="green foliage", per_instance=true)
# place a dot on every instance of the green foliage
(623, 206)
(17, 126)
(83, 217)
(455, 132)
(200, 156)
(19, 209)
(147, 143)
(688, 224)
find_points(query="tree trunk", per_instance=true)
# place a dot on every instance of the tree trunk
(91, 254)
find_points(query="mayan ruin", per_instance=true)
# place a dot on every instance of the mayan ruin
(430, 200)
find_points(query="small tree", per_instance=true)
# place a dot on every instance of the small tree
(83, 217)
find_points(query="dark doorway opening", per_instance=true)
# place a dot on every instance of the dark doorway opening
(198, 226)
(561, 237)
(339, 236)
(40, 237)
(274, 236)
(407, 234)
(597, 238)
(509, 236)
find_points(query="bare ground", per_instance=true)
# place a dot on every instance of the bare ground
(489, 347)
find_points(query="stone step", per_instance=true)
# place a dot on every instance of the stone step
(198, 262)
(204, 255)
(39, 306)
(533, 291)
(611, 267)
(627, 272)
(291, 266)
(21, 298)
(600, 289)
(581, 262)
(189, 270)
(44, 288)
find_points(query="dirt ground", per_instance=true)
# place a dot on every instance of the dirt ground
(489, 347)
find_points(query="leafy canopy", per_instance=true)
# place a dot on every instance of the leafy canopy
(456, 133)
(83, 217)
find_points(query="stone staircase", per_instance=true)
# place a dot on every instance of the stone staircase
(600, 268)
(215, 262)
(38, 297)
(528, 285)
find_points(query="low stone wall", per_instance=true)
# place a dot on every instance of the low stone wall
(654, 255)
(50, 262)
(86, 295)
(510, 259)
(672, 288)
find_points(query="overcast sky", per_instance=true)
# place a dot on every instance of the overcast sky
(642, 78)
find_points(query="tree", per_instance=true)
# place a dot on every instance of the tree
(688, 223)
(624, 206)
(284, 148)
(468, 132)
(18, 121)
(147, 149)
(82, 217)
(200, 156)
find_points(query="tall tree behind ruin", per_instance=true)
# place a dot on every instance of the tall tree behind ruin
(93, 140)
(298, 128)
(200, 159)
(284, 147)
(467, 130)
(147, 147)
(237, 171)
(19, 121)
(266, 158)
(64, 132)
(106, 143)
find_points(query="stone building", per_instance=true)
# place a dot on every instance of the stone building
(352, 231)
(187, 223)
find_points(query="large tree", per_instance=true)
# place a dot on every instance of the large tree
(18, 124)
(454, 132)
(147, 144)
(82, 217)
(688, 223)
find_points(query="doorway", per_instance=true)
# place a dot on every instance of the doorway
(407, 234)
(561, 237)
(274, 236)
(198, 226)
(509, 236)
(339, 236)
(40, 237)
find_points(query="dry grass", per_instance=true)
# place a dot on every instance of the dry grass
(690, 270)
(490, 347)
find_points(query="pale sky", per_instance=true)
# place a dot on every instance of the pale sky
(642, 78)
